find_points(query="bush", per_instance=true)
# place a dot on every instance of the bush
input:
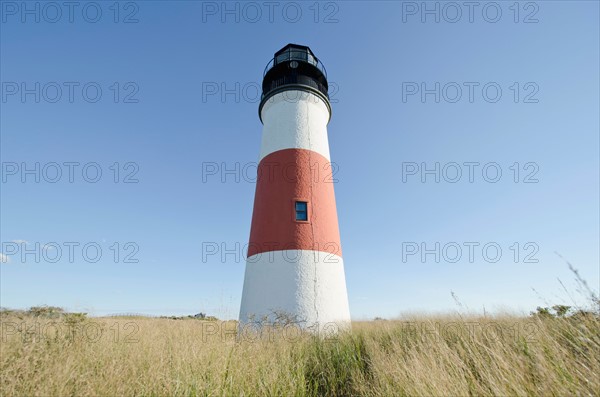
(46, 311)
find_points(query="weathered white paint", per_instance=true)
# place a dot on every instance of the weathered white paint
(295, 119)
(309, 286)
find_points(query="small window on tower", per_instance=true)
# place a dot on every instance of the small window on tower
(301, 211)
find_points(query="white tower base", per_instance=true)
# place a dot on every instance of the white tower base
(309, 284)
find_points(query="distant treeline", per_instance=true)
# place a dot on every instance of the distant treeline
(46, 311)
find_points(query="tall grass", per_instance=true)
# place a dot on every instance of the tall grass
(426, 356)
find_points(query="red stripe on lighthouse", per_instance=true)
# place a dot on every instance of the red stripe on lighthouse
(284, 177)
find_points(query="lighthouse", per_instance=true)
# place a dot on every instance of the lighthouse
(294, 265)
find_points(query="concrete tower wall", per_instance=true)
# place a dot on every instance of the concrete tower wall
(295, 119)
(295, 267)
(306, 284)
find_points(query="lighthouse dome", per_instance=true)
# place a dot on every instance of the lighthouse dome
(294, 67)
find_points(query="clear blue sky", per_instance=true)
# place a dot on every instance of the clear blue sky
(374, 52)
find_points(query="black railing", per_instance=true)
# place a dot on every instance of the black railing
(295, 79)
(296, 55)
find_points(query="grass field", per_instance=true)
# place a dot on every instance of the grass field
(70, 355)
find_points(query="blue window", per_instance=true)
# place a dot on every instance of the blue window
(301, 211)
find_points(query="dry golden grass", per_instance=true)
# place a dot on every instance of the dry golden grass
(428, 356)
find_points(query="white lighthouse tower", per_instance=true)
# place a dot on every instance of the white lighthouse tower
(294, 266)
